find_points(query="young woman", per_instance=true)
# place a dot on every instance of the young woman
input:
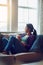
(21, 44)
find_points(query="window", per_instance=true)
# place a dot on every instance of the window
(3, 1)
(4, 15)
(27, 13)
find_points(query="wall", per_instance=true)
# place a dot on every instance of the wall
(41, 18)
(40, 23)
(14, 15)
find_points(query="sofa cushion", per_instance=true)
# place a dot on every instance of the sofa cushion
(38, 44)
(28, 57)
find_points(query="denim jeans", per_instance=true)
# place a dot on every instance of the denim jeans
(14, 46)
(4, 42)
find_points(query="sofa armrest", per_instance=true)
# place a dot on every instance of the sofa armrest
(29, 57)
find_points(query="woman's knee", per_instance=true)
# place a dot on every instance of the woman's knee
(12, 39)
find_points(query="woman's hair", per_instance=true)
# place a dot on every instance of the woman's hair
(31, 28)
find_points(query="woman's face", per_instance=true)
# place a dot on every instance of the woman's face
(27, 29)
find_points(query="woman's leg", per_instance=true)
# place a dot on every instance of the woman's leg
(16, 45)
(4, 41)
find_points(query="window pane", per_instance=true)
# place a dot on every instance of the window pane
(28, 3)
(3, 1)
(3, 18)
(21, 27)
(22, 18)
(3, 13)
(33, 17)
(32, 3)
(26, 16)
(3, 27)
(22, 2)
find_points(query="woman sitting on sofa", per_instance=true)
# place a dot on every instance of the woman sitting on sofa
(21, 44)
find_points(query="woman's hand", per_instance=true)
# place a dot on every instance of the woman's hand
(24, 44)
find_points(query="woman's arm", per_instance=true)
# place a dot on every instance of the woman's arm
(24, 43)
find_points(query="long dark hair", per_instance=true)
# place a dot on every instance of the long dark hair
(31, 28)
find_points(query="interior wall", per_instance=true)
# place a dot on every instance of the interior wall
(41, 17)
(14, 23)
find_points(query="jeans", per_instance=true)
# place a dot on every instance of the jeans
(14, 46)
(4, 42)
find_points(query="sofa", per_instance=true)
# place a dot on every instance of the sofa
(35, 53)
